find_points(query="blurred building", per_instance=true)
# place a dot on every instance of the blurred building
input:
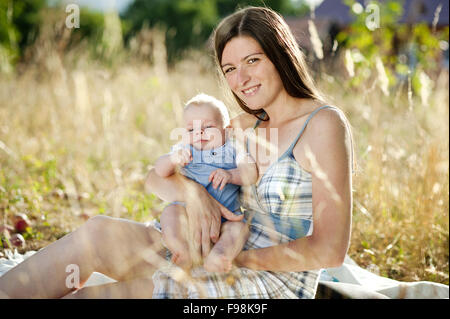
(414, 11)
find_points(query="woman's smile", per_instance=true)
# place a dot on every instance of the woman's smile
(251, 91)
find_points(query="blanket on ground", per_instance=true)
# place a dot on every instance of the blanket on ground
(348, 280)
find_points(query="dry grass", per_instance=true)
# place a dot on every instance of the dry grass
(77, 138)
(401, 187)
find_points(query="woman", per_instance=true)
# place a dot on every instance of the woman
(299, 212)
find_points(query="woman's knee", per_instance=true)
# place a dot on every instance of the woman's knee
(97, 222)
(97, 228)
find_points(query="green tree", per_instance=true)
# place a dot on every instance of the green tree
(189, 23)
(368, 44)
(285, 7)
(397, 51)
(19, 25)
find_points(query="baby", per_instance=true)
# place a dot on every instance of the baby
(208, 157)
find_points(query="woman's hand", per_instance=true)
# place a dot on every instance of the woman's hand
(204, 220)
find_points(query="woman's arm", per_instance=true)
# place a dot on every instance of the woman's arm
(166, 165)
(169, 189)
(326, 145)
(244, 174)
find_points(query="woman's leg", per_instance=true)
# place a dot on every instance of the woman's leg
(140, 288)
(118, 248)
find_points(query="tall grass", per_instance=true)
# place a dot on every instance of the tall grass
(400, 215)
(77, 138)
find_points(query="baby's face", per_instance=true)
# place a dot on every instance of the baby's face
(204, 127)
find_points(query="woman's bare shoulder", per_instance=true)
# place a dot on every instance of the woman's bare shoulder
(327, 127)
(243, 121)
(331, 118)
(327, 138)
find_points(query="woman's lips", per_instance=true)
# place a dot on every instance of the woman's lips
(251, 90)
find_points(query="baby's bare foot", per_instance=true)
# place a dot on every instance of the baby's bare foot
(218, 263)
(182, 260)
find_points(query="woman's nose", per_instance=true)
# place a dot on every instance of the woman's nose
(243, 76)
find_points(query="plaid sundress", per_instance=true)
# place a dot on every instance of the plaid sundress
(279, 209)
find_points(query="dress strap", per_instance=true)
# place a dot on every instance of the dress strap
(291, 148)
(256, 124)
(258, 121)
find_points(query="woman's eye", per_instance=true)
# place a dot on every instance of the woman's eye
(228, 70)
(252, 60)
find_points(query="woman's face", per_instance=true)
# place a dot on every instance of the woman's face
(249, 73)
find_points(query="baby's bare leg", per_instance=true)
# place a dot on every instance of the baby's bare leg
(232, 239)
(174, 225)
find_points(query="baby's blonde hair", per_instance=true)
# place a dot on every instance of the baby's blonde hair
(202, 98)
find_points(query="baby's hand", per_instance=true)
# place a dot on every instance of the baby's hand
(219, 177)
(181, 157)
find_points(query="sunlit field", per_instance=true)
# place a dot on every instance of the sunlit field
(77, 137)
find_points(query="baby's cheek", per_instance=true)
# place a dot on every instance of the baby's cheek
(217, 136)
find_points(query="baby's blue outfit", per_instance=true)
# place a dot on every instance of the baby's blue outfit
(203, 163)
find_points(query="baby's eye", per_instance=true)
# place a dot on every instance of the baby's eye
(190, 130)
